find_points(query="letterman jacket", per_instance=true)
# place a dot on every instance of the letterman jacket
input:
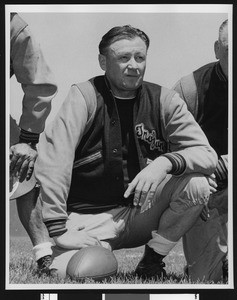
(27, 63)
(86, 169)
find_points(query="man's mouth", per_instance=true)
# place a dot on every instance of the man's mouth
(135, 75)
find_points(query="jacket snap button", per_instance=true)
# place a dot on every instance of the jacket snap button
(115, 150)
(113, 122)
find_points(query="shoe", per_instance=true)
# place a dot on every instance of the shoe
(151, 265)
(44, 264)
(225, 270)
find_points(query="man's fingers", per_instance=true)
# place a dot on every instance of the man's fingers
(13, 163)
(94, 241)
(136, 197)
(150, 199)
(212, 176)
(23, 170)
(152, 192)
(138, 193)
(212, 183)
(130, 188)
(205, 214)
(16, 165)
(212, 190)
(144, 193)
(18, 154)
(30, 170)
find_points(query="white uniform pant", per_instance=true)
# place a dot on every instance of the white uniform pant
(127, 227)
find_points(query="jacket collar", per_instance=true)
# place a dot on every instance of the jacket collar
(109, 87)
(220, 73)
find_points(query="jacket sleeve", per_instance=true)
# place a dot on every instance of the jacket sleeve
(185, 137)
(221, 172)
(56, 152)
(35, 77)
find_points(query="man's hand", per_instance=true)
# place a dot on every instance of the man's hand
(22, 159)
(212, 183)
(76, 239)
(205, 214)
(144, 185)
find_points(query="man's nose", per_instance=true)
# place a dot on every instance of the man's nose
(132, 64)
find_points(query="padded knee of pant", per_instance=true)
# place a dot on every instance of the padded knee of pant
(194, 190)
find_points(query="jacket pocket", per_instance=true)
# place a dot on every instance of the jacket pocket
(88, 159)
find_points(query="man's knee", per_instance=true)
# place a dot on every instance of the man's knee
(191, 190)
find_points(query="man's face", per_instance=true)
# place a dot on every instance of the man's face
(124, 65)
(221, 50)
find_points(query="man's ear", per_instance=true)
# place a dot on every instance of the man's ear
(216, 49)
(102, 61)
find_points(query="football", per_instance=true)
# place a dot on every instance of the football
(93, 262)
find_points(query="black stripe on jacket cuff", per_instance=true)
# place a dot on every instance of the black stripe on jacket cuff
(56, 227)
(221, 171)
(177, 161)
(28, 137)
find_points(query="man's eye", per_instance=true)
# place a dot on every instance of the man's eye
(140, 58)
(123, 58)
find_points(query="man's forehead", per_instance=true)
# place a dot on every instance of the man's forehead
(124, 45)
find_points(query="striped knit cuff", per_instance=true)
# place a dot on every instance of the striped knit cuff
(28, 137)
(178, 163)
(221, 171)
(56, 227)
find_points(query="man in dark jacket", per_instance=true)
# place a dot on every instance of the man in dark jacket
(206, 94)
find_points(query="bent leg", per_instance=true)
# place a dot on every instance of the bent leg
(122, 227)
(179, 202)
(188, 197)
(205, 246)
(29, 212)
(139, 226)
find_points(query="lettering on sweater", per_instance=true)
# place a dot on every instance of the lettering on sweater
(149, 137)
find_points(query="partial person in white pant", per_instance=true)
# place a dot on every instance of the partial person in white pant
(28, 65)
(206, 94)
(127, 165)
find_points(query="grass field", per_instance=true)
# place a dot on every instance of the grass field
(22, 268)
